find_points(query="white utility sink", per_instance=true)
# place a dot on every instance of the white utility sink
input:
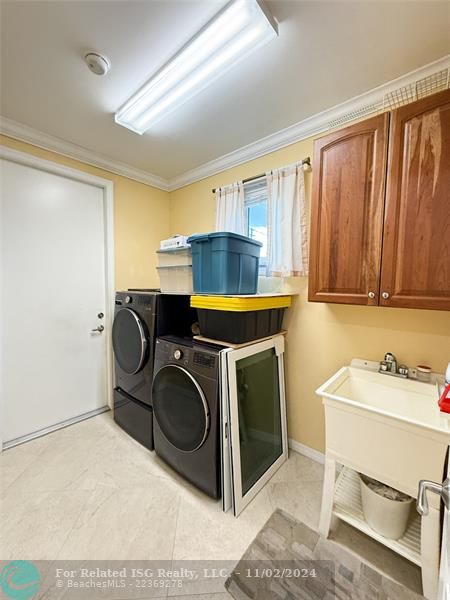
(391, 429)
(405, 399)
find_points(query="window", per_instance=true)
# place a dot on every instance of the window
(255, 198)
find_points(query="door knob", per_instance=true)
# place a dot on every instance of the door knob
(385, 295)
(429, 486)
(100, 328)
(371, 295)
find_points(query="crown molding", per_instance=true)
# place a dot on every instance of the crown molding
(32, 136)
(362, 105)
(365, 104)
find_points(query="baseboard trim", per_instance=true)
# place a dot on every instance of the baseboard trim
(52, 428)
(307, 451)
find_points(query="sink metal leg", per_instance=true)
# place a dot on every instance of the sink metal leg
(429, 553)
(326, 513)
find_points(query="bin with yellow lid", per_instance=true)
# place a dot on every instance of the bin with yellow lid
(240, 319)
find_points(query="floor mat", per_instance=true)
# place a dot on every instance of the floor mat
(288, 560)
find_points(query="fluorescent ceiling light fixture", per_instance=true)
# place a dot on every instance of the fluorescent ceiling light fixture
(238, 29)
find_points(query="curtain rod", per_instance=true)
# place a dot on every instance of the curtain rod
(305, 161)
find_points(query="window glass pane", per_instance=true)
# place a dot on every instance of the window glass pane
(255, 194)
(259, 415)
(257, 224)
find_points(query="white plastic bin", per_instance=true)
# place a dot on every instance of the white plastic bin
(177, 241)
(175, 279)
(176, 257)
(386, 516)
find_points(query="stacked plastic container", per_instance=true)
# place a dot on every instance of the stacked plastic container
(240, 319)
(175, 270)
(226, 265)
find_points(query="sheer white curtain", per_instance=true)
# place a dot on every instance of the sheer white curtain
(287, 234)
(230, 212)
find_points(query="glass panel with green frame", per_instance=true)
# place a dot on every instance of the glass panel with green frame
(260, 429)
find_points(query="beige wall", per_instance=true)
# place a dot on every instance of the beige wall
(322, 337)
(141, 219)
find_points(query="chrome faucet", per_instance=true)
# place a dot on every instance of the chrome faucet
(389, 366)
(392, 362)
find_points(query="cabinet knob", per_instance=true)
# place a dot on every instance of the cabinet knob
(385, 295)
(371, 294)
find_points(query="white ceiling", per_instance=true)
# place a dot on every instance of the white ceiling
(326, 53)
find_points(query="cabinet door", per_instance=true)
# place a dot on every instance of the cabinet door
(416, 244)
(347, 213)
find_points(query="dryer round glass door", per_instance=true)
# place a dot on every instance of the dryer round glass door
(129, 341)
(180, 408)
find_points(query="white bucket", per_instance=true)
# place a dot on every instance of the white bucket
(386, 516)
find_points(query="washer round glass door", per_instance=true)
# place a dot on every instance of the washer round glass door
(129, 341)
(180, 408)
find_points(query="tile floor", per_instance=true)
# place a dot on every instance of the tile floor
(89, 491)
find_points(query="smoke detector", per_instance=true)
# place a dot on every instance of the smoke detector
(97, 63)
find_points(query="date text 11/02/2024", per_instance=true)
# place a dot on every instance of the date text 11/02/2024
(274, 573)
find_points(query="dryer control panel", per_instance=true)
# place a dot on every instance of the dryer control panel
(187, 353)
(204, 359)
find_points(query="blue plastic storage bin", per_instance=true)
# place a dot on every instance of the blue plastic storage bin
(224, 263)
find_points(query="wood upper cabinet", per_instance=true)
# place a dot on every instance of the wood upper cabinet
(381, 236)
(347, 213)
(415, 269)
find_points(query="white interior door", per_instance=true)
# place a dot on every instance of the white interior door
(53, 289)
(432, 580)
(444, 573)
